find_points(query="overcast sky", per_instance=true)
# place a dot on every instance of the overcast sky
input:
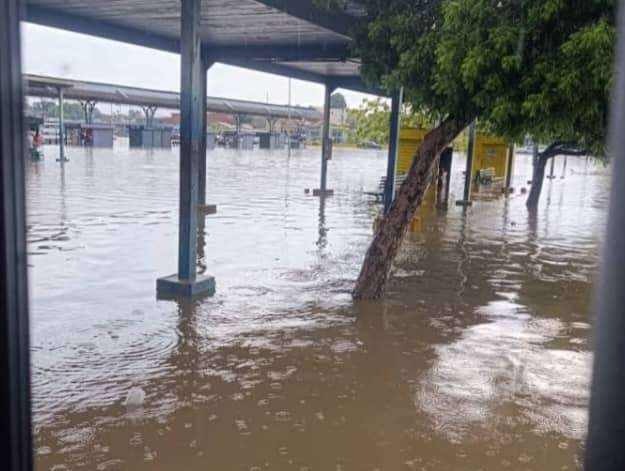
(53, 52)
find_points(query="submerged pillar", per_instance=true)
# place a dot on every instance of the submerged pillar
(61, 158)
(187, 282)
(203, 208)
(552, 168)
(91, 108)
(146, 113)
(201, 200)
(466, 199)
(509, 168)
(393, 145)
(87, 108)
(149, 112)
(326, 145)
(237, 137)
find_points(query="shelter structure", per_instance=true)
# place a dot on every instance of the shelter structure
(88, 94)
(142, 136)
(295, 38)
(159, 24)
(97, 135)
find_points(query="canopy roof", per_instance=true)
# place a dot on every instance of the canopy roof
(38, 85)
(290, 37)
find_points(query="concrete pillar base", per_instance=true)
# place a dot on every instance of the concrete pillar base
(206, 209)
(64, 159)
(318, 192)
(464, 203)
(171, 286)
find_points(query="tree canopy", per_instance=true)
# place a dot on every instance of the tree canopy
(370, 121)
(50, 109)
(537, 67)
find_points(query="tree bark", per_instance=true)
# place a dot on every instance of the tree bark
(555, 148)
(538, 177)
(387, 240)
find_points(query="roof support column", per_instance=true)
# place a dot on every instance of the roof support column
(203, 208)
(61, 158)
(466, 200)
(91, 106)
(326, 144)
(393, 145)
(187, 282)
(87, 110)
(237, 137)
(552, 168)
(149, 112)
(201, 200)
(509, 169)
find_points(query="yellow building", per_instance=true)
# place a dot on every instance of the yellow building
(490, 153)
(409, 141)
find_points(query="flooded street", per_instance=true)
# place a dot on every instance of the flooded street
(477, 359)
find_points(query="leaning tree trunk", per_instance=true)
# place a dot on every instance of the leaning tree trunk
(387, 240)
(538, 177)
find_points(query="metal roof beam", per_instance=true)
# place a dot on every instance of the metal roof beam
(304, 53)
(356, 84)
(277, 69)
(280, 53)
(334, 20)
(46, 17)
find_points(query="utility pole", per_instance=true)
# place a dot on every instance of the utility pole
(288, 139)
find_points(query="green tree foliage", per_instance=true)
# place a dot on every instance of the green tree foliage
(522, 67)
(370, 121)
(396, 42)
(537, 67)
(72, 111)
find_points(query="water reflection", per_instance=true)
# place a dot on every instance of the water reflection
(478, 358)
(322, 241)
(201, 244)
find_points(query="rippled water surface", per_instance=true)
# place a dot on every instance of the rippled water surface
(478, 358)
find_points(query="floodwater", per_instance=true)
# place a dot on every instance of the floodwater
(478, 358)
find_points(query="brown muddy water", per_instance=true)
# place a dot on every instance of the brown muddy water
(478, 358)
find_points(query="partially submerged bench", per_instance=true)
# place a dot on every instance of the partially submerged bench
(487, 176)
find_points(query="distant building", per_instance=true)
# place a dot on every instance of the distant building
(338, 109)
(338, 116)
